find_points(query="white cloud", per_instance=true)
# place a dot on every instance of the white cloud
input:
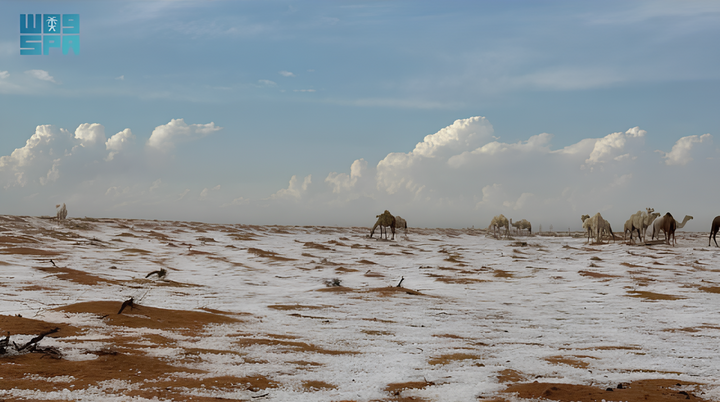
(303, 90)
(4, 75)
(605, 148)
(341, 182)
(681, 152)
(295, 190)
(41, 75)
(267, 83)
(204, 193)
(462, 135)
(119, 142)
(236, 201)
(37, 157)
(120, 78)
(165, 137)
(90, 134)
(52, 175)
(286, 74)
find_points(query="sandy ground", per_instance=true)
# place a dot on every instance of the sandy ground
(235, 312)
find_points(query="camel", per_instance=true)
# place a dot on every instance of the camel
(384, 220)
(516, 225)
(641, 221)
(401, 223)
(714, 229)
(657, 226)
(584, 218)
(668, 228)
(525, 224)
(597, 225)
(499, 222)
(521, 225)
(61, 212)
(627, 228)
(605, 226)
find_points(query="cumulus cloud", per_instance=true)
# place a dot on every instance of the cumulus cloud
(267, 83)
(165, 137)
(41, 75)
(90, 134)
(459, 176)
(4, 75)
(342, 182)
(612, 144)
(38, 156)
(395, 172)
(295, 189)
(286, 74)
(119, 142)
(680, 154)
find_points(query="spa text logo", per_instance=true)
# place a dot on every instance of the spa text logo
(41, 32)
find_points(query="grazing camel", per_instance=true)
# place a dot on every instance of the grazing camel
(668, 228)
(499, 222)
(605, 226)
(658, 224)
(597, 225)
(627, 228)
(516, 225)
(525, 224)
(521, 225)
(384, 220)
(714, 229)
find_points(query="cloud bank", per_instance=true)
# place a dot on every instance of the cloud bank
(459, 176)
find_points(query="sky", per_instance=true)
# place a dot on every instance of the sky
(330, 112)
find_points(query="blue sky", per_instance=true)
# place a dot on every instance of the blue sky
(521, 100)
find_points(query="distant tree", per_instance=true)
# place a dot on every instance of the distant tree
(61, 212)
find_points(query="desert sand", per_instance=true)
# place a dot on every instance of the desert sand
(280, 313)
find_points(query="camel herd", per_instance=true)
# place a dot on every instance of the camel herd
(595, 226)
(387, 220)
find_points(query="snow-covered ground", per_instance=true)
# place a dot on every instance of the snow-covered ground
(471, 308)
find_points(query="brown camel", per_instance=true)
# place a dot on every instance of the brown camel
(669, 226)
(384, 220)
(714, 229)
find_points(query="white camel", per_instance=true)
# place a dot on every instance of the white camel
(597, 225)
(525, 224)
(657, 225)
(61, 212)
(641, 221)
(627, 228)
(400, 223)
(499, 222)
